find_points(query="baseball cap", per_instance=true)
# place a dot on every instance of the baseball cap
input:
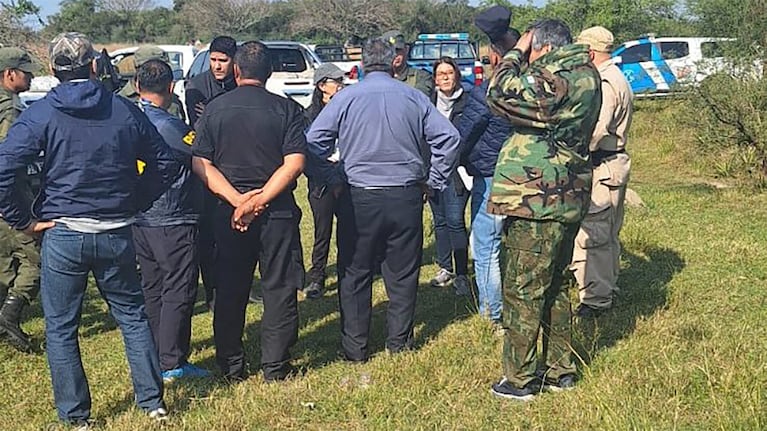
(395, 38)
(69, 51)
(16, 58)
(327, 71)
(597, 38)
(149, 52)
(494, 22)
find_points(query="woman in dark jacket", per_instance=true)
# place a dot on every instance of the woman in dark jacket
(326, 180)
(449, 206)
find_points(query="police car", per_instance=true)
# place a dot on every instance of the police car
(428, 48)
(657, 66)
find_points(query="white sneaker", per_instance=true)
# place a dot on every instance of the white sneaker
(443, 278)
(159, 414)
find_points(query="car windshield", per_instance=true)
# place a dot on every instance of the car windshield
(461, 50)
(284, 59)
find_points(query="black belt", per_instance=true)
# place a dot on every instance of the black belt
(387, 187)
(599, 156)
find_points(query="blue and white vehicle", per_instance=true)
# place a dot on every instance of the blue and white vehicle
(656, 66)
(430, 47)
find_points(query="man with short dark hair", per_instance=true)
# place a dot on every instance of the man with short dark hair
(385, 130)
(549, 90)
(141, 56)
(166, 234)
(92, 192)
(417, 78)
(249, 150)
(19, 254)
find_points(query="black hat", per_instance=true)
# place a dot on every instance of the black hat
(494, 22)
(224, 44)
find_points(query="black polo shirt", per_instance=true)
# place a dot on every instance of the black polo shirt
(247, 132)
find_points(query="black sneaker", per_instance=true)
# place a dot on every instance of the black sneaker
(313, 290)
(584, 311)
(564, 383)
(504, 389)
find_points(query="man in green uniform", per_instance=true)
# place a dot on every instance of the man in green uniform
(550, 91)
(419, 79)
(19, 255)
(141, 56)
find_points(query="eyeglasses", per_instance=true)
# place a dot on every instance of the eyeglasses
(445, 74)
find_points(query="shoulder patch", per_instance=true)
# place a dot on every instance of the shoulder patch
(189, 138)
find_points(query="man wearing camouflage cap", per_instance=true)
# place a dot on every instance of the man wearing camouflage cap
(596, 257)
(141, 56)
(19, 255)
(419, 79)
(92, 139)
(549, 90)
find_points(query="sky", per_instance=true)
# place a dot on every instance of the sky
(50, 7)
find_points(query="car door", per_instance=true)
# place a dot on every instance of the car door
(643, 66)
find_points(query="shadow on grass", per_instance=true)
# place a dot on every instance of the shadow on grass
(643, 290)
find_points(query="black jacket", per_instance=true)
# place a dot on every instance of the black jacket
(204, 88)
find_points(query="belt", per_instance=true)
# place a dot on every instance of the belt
(599, 156)
(386, 187)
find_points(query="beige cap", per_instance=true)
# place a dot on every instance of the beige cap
(597, 38)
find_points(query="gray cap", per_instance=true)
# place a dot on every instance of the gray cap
(327, 71)
(395, 38)
(69, 51)
(15, 58)
(149, 52)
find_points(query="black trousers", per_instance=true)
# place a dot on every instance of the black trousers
(273, 242)
(168, 260)
(324, 207)
(386, 219)
(206, 245)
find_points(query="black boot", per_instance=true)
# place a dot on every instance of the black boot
(10, 317)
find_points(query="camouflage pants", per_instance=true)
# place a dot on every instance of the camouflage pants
(19, 264)
(536, 307)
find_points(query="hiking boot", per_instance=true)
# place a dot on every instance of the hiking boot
(10, 316)
(504, 389)
(185, 371)
(313, 290)
(159, 414)
(443, 278)
(584, 311)
(462, 285)
(563, 383)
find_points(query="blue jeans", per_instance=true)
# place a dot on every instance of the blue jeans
(67, 259)
(486, 231)
(448, 208)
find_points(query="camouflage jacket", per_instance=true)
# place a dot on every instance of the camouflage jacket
(419, 79)
(10, 108)
(176, 107)
(543, 170)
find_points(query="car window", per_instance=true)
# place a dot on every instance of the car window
(175, 59)
(331, 53)
(674, 50)
(449, 50)
(433, 51)
(466, 51)
(200, 64)
(287, 60)
(637, 54)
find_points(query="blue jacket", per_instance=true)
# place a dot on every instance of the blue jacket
(385, 130)
(320, 172)
(91, 139)
(182, 203)
(482, 134)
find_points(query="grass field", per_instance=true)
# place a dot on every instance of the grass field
(684, 349)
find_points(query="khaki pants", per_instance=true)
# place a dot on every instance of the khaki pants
(596, 256)
(19, 264)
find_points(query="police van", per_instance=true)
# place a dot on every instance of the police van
(657, 66)
(428, 48)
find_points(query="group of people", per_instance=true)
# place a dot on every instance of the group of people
(539, 149)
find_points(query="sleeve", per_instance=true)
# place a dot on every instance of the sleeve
(160, 166)
(522, 94)
(192, 96)
(476, 116)
(22, 145)
(294, 140)
(443, 141)
(606, 116)
(6, 120)
(179, 138)
(203, 143)
(323, 133)
(425, 84)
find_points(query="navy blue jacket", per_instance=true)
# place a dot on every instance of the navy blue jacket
(91, 139)
(182, 203)
(482, 134)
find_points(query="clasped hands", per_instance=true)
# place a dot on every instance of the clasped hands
(247, 207)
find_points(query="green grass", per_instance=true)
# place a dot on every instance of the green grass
(685, 348)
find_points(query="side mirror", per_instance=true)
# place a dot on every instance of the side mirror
(617, 59)
(485, 60)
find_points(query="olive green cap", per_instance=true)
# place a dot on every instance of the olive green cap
(16, 58)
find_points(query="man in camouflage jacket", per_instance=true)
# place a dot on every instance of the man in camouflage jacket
(541, 184)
